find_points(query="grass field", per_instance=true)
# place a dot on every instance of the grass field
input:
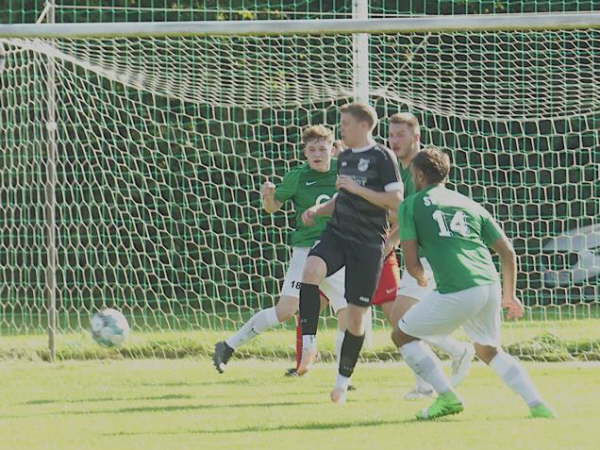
(539, 340)
(184, 404)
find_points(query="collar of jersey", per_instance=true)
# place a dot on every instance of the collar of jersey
(428, 188)
(320, 174)
(364, 149)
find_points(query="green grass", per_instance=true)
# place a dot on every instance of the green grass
(539, 340)
(185, 404)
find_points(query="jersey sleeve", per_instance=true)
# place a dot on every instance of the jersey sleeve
(389, 172)
(406, 220)
(490, 230)
(288, 186)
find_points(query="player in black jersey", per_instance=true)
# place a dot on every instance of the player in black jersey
(369, 187)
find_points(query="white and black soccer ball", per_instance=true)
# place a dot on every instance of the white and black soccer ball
(109, 327)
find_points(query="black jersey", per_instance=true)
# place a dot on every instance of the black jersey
(354, 217)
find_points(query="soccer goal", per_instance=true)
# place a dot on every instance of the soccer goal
(133, 154)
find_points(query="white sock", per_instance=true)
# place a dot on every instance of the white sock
(422, 385)
(342, 382)
(447, 344)
(259, 322)
(339, 340)
(424, 363)
(309, 342)
(516, 377)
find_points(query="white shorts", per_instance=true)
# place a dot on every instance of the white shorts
(332, 287)
(476, 309)
(409, 286)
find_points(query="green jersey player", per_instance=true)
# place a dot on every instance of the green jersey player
(310, 184)
(454, 234)
(404, 138)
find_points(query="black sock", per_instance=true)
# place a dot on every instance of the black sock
(310, 305)
(349, 355)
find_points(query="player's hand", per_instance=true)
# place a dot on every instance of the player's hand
(347, 183)
(388, 248)
(309, 216)
(268, 190)
(422, 281)
(513, 306)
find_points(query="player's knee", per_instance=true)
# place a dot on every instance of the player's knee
(286, 308)
(342, 315)
(324, 302)
(355, 319)
(398, 337)
(315, 270)
(284, 315)
(402, 304)
(355, 326)
(485, 352)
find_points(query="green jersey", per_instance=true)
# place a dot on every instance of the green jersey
(409, 189)
(307, 187)
(454, 233)
(407, 180)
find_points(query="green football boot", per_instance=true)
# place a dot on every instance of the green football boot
(541, 411)
(445, 404)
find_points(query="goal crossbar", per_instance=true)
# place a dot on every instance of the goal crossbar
(470, 22)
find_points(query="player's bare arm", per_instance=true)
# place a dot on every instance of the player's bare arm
(270, 204)
(413, 262)
(324, 209)
(508, 262)
(387, 200)
(393, 240)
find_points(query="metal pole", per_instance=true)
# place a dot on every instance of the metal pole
(360, 50)
(425, 24)
(50, 188)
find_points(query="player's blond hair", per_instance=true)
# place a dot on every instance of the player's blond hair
(408, 119)
(361, 112)
(317, 132)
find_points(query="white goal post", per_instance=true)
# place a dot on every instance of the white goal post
(464, 23)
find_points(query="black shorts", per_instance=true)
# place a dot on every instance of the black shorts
(363, 265)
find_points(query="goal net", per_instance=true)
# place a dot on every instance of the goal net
(162, 144)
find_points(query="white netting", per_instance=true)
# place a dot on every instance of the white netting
(163, 144)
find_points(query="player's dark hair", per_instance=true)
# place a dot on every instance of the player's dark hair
(434, 164)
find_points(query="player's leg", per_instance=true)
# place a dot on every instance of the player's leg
(419, 321)
(310, 306)
(293, 372)
(394, 312)
(284, 310)
(333, 288)
(436, 314)
(351, 344)
(426, 364)
(324, 259)
(461, 353)
(394, 308)
(342, 316)
(484, 329)
(263, 320)
(363, 267)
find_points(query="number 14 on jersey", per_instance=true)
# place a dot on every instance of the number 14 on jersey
(458, 224)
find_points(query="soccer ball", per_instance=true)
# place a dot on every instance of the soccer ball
(109, 327)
